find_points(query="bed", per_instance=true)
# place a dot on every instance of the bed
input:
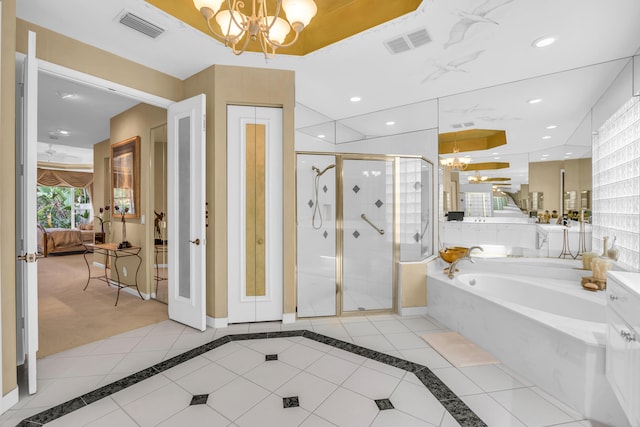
(63, 240)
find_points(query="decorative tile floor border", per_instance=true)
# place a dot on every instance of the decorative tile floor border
(451, 402)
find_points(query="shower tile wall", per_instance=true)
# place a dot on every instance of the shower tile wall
(316, 245)
(616, 183)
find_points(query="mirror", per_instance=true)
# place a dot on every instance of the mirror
(556, 129)
(159, 203)
(125, 177)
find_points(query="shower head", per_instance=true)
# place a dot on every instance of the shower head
(319, 172)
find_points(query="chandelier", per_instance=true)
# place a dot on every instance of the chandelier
(477, 179)
(270, 30)
(456, 163)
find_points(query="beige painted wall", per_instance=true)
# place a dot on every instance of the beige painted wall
(545, 177)
(7, 201)
(137, 121)
(225, 85)
(413, 281)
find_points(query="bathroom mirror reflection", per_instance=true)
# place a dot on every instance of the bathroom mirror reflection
(548, 149)
(159, 202)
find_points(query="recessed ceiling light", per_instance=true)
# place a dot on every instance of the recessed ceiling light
(544, 41)
(64, 132)
(496, 158)
(66, 95)
(390, 123)
(495, 154)
(552, 127)
(534, 100)
(321, 136)
(355, 99)
(545, 155)
(546, 137)
(568, 154)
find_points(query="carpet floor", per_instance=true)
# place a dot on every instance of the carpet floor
(70, 317)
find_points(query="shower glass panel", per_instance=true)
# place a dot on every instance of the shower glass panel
(416, 201)
(367, 210)
(316, 237)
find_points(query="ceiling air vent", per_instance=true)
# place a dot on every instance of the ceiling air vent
(141, 25)
(408, 41)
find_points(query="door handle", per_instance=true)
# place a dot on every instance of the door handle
(260, 241)
(30, 257)
(196, 242)
(379, 230)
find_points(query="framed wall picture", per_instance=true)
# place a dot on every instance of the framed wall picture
(125, 176)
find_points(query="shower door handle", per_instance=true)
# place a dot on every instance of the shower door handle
(379, 230)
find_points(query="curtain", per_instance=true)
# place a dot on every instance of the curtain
(61, 178)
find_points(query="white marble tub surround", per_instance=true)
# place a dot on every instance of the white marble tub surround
(535, 317)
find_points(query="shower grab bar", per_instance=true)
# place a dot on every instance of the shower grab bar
(379, 230)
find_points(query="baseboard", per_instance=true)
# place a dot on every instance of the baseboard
(8, 400)
(217, 322)
(413, 311)
(129, 290)
(288, 318)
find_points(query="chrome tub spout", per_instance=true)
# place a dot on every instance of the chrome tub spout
(466, 257)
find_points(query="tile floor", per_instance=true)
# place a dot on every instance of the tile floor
(310, 384)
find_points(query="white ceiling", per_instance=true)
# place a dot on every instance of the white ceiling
(491, 71)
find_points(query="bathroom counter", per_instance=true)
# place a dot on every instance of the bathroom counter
(628, 280)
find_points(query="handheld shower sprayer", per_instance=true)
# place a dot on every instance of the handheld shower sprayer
(319, 172)
(316, 206)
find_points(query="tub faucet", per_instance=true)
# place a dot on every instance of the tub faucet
(466, 257)
(472, 248)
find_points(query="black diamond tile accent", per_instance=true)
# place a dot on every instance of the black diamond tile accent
(268, 357)
(199, 399)
(290, 402)
(310, 203)
(456, 407)
(379, 203)
(384, 404)
(416, 237)
(325, 189)
(356, 234)
(325, 234)
(356, 189)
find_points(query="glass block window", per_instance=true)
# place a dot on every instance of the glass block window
(616, 183)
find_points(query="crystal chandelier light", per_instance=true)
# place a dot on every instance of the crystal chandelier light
(456, 163)
(237, 28)
(477, 179)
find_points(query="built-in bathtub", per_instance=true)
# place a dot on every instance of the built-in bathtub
(535, 317)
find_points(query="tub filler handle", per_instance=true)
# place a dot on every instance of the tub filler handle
(379, 230)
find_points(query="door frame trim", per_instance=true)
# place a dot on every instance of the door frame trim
(100, 83)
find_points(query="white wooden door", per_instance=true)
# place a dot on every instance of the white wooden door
(186, 211)
(26, 235)
(254, 214)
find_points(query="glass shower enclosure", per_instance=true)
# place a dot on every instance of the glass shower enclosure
(358, 216)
